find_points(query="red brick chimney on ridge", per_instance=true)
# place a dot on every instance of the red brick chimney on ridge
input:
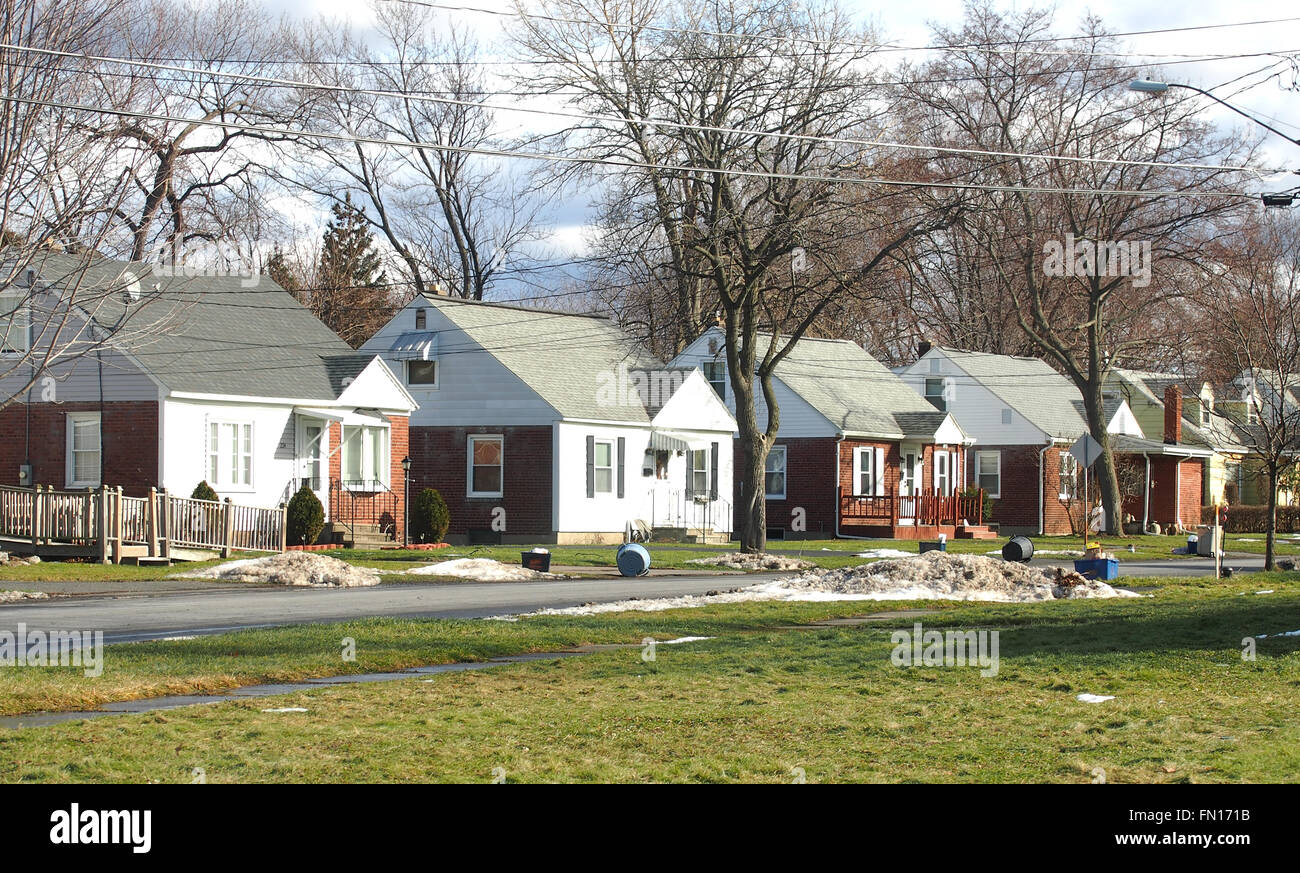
(1173, 415)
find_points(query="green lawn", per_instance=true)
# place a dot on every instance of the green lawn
(757, 703)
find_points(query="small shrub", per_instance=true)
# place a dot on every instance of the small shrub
(304, 518)
(430, 517)
(204, 491)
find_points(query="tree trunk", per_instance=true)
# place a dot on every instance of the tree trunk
(1104, 469)
(1270, 522)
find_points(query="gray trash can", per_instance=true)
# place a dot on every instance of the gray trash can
(1019, 549)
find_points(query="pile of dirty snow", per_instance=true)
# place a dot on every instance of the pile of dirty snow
(932, 576)
(12, 596)
(483, 570)
(309, 569)
(747, 561)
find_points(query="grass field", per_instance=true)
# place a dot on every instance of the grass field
(756, 703)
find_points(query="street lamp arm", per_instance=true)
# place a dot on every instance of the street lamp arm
(1236, 110)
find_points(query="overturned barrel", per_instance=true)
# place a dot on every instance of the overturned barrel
(1019, 549)
(632, 559)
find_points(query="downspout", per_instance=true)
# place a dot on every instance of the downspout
(1178, 494)
(839, 536)
(1146, 497)
(1042, 488)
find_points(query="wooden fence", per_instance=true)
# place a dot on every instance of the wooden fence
(109, 525)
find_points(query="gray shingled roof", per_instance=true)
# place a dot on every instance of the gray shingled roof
(210, 334)
(1044, 397)
(569, 359)
(1219, 434)
(854, 391)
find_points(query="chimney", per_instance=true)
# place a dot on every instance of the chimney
(1173, 415)
(923, 348)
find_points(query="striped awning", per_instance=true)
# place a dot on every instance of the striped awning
(665, 441)
(413, 346)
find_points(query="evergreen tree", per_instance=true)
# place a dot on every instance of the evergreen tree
(351, 293)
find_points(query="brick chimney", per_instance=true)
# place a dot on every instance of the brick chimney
(923, 348)
(1173, 415)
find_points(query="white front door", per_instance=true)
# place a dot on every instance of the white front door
(942, 475)
(311, 457)
(909, 485)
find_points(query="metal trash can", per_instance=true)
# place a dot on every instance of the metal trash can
(539, 561)
(1019, 549)
(922, 548)
(633, 559)
(1191, 545)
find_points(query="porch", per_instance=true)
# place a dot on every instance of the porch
(913, 517)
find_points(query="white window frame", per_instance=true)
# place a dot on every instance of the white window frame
(864, 463)
(943, 479)
(721, 379)
(69, 475)
(19, 321)
(422, 386)
(692, 456)
(776, 451)
(1068, 460)
(369, 475)
(220, 449)
(942, 396)
(980, 474)
(597, 468)
(469, 464)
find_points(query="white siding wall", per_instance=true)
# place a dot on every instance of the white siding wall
(644, 496)
(798, 418)
(474, 388)
(185, 448)
(977, 410)
(76, 379)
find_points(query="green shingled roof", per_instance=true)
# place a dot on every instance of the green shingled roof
(570, 360)
(209, 334)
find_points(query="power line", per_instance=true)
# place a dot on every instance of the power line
(813, 41)
(658, 122)
(591, 161)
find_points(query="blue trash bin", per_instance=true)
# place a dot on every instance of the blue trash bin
(633, 559)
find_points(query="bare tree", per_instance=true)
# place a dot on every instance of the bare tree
(1089, 253)
(726, 121)
(454, 216)
(1249, 337)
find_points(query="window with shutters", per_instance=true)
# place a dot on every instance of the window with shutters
(864, 480)
(486, 465)
(774, 478)
(83, 450)
(230, 454)
(700, 473)
(988, 472)
(603, 467)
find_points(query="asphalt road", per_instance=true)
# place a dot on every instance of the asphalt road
(185, 613)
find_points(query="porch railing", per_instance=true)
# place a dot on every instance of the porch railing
(925, 510)
(358, 502)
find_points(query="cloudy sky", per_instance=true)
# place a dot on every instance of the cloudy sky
(1269, 95)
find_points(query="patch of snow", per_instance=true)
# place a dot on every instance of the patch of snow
(307, 569)
(884, 553)
(286, 709)
(1265, 591)
(1095, 698)
(483, 570)
(747, 561)
(14, 596)
(680, 640)
(932, 576)
(1294, 633)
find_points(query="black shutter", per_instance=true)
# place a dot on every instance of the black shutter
(690, 474)
(713, 471)
(622, 451)
(591, 466)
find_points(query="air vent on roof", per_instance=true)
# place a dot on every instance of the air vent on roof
(130, 287)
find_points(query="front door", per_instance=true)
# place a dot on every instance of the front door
(311, 458)
(909, 485)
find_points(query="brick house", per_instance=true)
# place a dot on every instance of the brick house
(858, 452)
(1025, 417)
(540, 426)
(163, 381)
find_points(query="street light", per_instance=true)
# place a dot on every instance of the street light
(406, 500)
(1147, 86)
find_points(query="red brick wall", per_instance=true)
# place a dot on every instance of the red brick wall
(1168, 502)
(438, 460)
(809, 485)
(1017, 508)
(129, 441)
(381, 509)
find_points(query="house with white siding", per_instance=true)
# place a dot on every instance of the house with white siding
(543, 426)
(161, 380)
(858, 452)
